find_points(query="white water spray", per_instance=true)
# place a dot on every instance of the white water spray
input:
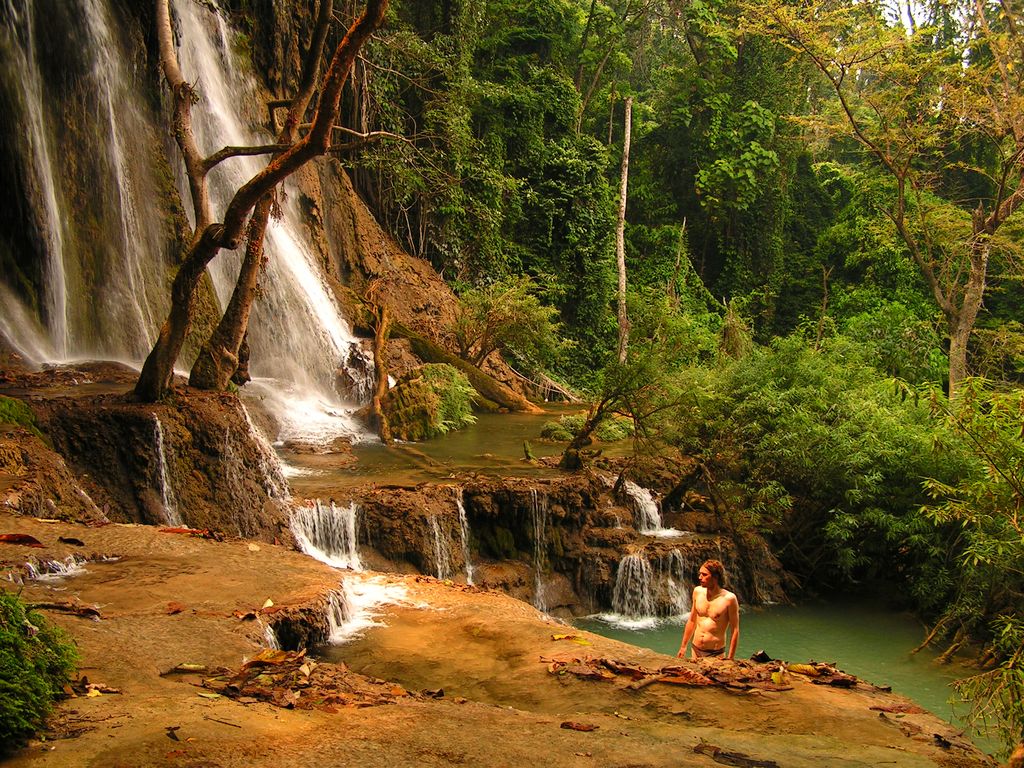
(646, 514)
(297, 334)
(327, 532)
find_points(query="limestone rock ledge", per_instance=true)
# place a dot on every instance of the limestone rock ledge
(167, 599)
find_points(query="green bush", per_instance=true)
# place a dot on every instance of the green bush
(613, 429)
(429, 401)
(36, 661)
(555, 430)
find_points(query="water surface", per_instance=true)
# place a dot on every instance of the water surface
(860, 638)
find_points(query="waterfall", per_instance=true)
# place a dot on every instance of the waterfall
(171, 515)
(646, 514)
(539, 520)
(633, 596)
(294, 363)
(442, 549)
(464, 532)
(56, 570)
(678, 581)
(91, 216)
(327, 533)
(91, 221)
(271, 470)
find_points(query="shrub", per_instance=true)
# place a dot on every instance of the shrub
(429, 401)
(36, 661)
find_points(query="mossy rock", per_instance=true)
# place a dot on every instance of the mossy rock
(14, 412)
(429, 401)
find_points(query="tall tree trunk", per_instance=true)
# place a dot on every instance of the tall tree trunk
(620, 234)
(158, 370)
(218, 358)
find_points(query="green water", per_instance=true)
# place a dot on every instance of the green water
(493, 446)
(860, 638)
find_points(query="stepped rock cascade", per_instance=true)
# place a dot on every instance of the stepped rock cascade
(294, 362)
(90, 241)
(327, 532)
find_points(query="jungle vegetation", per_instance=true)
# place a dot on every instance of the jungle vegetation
(822, 253)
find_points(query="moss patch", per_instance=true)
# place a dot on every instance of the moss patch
(15, 413)
(429, 401)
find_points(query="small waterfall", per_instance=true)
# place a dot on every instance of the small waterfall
(271, 470)
(339, 615)
(327, 533)
(678, 581)
(171, 515)
(464, 531)
(633, 596)
(646, 514)
(56, 570)
(539, 520)
(442, 549)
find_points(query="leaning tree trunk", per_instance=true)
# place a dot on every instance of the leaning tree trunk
(218, 358)
(158, 370)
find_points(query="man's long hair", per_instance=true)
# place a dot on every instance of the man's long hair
(716, 569)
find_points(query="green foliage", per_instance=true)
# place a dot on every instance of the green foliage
(36, 661)
(987, 506)
(821, 452)
(507, 315)
(429, 401)
(16, 413)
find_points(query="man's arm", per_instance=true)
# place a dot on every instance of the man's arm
(691, 625)
(734, 620)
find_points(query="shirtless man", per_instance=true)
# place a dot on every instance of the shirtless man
(714, 610)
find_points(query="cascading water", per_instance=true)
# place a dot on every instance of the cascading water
(678, 582)
(89, 216)
(539, 520)
(91, 274)
(327, 533)
(633, 596)
(464, 532)
(442, 549)
(171, 515)
(645, 511)
(297, 335)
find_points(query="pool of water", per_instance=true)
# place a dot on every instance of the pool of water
(860, 638)
(493, 446)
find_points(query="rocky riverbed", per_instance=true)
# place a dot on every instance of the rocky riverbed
(447, 674)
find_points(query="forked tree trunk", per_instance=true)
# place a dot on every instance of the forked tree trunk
(158, 370)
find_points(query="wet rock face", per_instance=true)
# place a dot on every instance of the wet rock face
(558, 543)
(195, 463)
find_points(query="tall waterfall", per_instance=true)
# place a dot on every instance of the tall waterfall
(298, 337)
(91, 221)
(90, 215)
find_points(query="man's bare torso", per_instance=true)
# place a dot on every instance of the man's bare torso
(712, 618)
